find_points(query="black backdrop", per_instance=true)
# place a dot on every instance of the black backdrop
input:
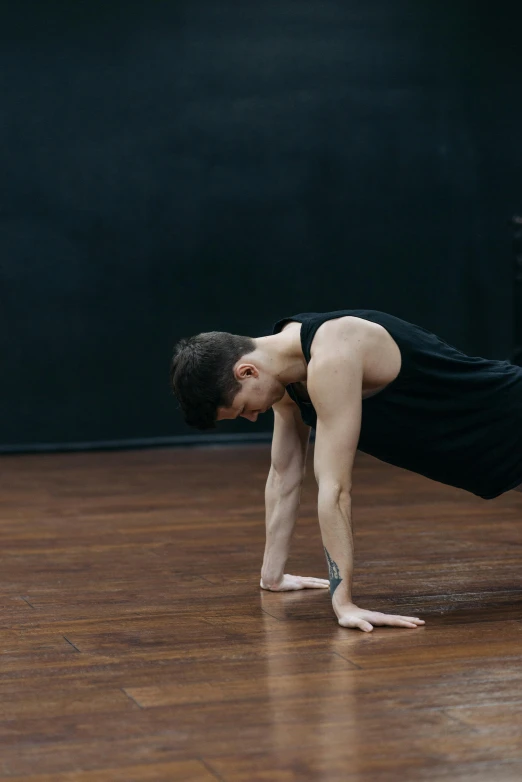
(176, 167)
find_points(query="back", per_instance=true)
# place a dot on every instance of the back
(451, 417)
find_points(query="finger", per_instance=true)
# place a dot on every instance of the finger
(316, 583)
(307, 582)
(406, 618)
(386, 618)
(393, 621)
(411, 620)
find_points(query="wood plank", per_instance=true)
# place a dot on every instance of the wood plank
(291, 767)
(181, 771)
(135, 642)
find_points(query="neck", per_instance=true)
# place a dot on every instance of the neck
(282, 356)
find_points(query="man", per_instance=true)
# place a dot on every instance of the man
(363, 380)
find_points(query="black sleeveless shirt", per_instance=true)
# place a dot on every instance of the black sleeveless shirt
(454, 418)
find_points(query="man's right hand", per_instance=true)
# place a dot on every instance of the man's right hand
(290, 583)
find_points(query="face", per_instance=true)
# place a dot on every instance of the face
(258, 393)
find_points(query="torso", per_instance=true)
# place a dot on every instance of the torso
(382, 357)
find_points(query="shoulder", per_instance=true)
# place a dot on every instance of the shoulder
(336, 367)
(340, 337)
(348, 349)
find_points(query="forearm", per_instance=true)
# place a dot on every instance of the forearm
(282, 500)
(335, 520)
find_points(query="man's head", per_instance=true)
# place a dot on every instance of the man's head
(216, 375)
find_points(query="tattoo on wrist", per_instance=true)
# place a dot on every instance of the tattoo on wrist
(333, 573)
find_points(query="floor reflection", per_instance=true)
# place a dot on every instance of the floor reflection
(311, 693)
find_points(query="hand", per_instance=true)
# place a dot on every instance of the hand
(352, 616)
(290, 583)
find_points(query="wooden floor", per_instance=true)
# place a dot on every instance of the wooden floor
(136, 644)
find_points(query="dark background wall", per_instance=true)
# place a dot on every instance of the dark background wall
(176, 167)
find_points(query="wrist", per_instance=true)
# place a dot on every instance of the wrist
(342, 602)
(271, 580)
(273, 567)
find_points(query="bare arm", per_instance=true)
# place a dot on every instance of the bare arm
(282, 496)
(282, 500)
(336, 391)
(335, 388)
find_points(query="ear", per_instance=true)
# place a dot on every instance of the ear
(246, 370)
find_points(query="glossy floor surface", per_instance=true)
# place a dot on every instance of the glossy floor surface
(136, 645)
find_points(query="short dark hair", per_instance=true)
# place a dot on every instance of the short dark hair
(202, 377)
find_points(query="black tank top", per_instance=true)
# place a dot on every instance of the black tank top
(451, 417)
